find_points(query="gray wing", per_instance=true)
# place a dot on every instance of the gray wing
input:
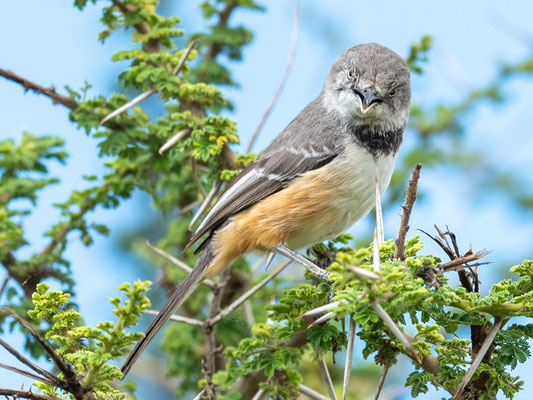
(308, 143)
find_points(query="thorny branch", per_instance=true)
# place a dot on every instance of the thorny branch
(34, 87)
(25, 394)
(410, 198)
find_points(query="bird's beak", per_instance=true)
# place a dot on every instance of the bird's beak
(369, 97)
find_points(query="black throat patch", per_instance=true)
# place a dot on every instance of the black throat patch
(377, 142)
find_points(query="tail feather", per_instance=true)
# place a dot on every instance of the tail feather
(182, 292)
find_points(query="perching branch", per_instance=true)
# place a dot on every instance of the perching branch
(36, 88)
(25, 394)
(410, 198)
(349, 357)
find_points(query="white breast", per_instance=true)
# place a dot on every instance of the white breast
(353, 175)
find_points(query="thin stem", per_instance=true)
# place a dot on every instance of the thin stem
(327, 378)
(312, 393)
(410, 198)
(233, 306)
(479, 356)
(349, 357)
(180, 264)
(310, 266)
(382, 379)
(294, 41)
(149, 92)
(179, 318)
(207, 201)
(393, 327)
(173, 140)
(379, 215)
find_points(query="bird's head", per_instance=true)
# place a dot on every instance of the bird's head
(369, 82)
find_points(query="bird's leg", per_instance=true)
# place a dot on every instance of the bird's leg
(310, 266)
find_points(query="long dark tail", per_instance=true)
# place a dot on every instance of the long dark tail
(182, 292)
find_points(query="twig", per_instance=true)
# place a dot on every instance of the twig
(379, 215)
(393, 327)
(294, 40)
(363, 274)
(47, 91)
(197, 182)
(72, 383)
(190, 206)
(4, 283)
(375, 253)
(382, 379)
(199, 395)
(259, 395)
(149, 92)
(349, 357)
(320, 310)
(248, 312)
(180, 264)
(207, 201)
(326, 317)
(24, 360)
(209, 360)
(479, 356)
(173, 140)
(179, 318)
(28, 374)
(25, 394)
(410, 198)
(312, 393)
(233, 306)
(327, 378)
(310, 266)
(463, 260)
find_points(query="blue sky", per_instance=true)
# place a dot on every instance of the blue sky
(53, 43)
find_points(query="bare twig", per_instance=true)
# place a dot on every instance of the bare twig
(294, 40)
(149, 92)
(4, 283)
(190, 206)
(325, 318)
(179, 318)
(28, 374)
(312, 393)
(375, 253)
(199, 395)
(24, 360)
(72, 382)
(259, 395)
(197, 182)
(410, 198)
(450, 265)
(25, 394)
(479, 356)
(320, 310)
(207, 201)
(178, 263)
(173, 140)
(379, 215)
(393, 327)
(47, 91)
(327, 378)
(361, 273)
(382, 379)
(310, 266)
(245, 296)
(349, 357)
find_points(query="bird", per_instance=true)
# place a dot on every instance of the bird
(315, 179)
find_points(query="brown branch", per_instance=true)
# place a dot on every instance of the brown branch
(27, 374)
(25, 394)
(290, 59)
(34, 87)
(72, 382)
(410, 198)
(454, 264)
(31, 365)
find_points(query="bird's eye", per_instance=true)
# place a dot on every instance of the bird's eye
(393, 92)
(350, 73)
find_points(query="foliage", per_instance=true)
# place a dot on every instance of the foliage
(283, 349)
